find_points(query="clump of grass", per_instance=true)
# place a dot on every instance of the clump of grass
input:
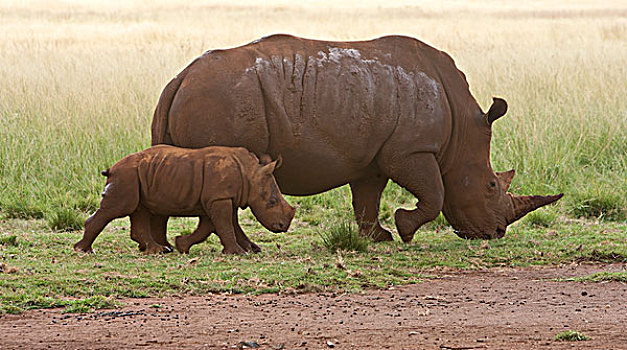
(21, 209)
(65, 219)
(571, 336)
(343, 234)
(438, 224)
(541, 218)
(599, 205)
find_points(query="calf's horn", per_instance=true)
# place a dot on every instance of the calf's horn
(525, 204)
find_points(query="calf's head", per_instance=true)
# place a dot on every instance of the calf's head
(265, 199)
(476, 201)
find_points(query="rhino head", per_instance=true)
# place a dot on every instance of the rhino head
(265, 199)
(476, 201)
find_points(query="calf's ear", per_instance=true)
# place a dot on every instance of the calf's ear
(270, 167)
(497, 110)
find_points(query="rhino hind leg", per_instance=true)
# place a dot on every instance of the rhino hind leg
(366, 198)
(119, 198)
(241, 237)
(184, 242)
(141, 232)
(158, 229)
(419, 173)
(93, 226)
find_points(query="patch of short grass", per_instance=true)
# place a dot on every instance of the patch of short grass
(604, 276)
(90, 304)
(571, 336)
(46, 272)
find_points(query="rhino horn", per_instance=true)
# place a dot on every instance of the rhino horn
(525, 204)
(497, 110)
(505, 178)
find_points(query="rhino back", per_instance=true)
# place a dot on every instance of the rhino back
(326, 107)
(171, 180)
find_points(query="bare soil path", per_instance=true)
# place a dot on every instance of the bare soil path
(489, 309)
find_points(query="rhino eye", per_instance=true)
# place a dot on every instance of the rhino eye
(492, 184)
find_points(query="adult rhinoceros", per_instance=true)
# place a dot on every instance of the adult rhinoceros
(356, 112)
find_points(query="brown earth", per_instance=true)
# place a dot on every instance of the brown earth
(489, 309)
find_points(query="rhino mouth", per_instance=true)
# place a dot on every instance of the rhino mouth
(279, 227)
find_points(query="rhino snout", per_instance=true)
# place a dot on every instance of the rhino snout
(283, 226)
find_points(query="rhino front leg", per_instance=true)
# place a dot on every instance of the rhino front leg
(200, 234)
(241, 238)
(419, 173)
(366, 199)
(221, 214)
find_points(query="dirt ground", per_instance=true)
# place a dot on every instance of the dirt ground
(489, 309)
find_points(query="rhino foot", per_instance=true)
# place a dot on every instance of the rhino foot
(78, 247)
(405, 224)
(379, 234)
(236, 250)
(157, 249)
(182, 244)
(255, 248)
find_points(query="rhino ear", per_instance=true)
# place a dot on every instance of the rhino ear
(264, 159)
(272, 166)
(505, 178)
(497, 110)
(279, 162)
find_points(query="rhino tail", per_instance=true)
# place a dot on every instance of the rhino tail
(159, 129)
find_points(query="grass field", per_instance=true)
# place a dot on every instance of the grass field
(81, 80)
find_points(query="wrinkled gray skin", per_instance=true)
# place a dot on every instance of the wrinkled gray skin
(352, 112)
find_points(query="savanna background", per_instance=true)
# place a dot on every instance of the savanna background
(80, 81)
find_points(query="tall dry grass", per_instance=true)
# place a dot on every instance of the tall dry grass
(80, 80)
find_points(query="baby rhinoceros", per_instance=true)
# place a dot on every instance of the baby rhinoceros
(211, 182)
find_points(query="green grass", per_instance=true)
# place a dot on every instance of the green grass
(89, 103)
(604, 276)
(342, 234)
(571, 336)
(48, 273)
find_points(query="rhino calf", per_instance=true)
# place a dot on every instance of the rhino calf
(211, 182)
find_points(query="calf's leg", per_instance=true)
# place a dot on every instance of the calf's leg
(93, 226)
(200, 234)
(241, 237)
(141, 232)
(158, 228)
(221, 214)
(119, 198)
